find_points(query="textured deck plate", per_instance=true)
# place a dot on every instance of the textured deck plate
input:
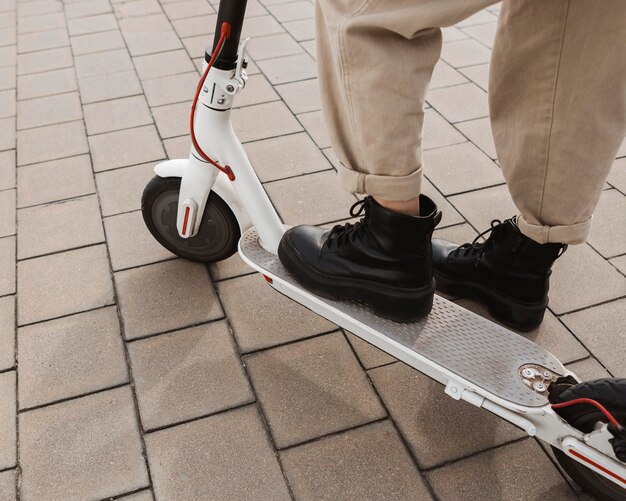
(466, 344)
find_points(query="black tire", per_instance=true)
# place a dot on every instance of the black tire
(219, 231)
(611, 393)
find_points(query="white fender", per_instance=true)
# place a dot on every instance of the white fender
(222, 186)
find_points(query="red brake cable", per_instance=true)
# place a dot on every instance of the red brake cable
(590, 401)
(224, 34)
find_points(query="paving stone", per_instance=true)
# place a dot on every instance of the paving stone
(601, 329)
(582, 265)
(7, 332)
(7, 266)
(314, 124)
(226, 457)
(173, 120)
(490, 476)
(61, 284)
(8, 438)
(7, 103)
(7, 133)
(150, 43)
(260, 26)
(155, 23)
(460, 102)
(118, 114)
(481, 17)
(196, 47)
(45, 60)
(292, 11)
(314, 199)
(188, 8)
(91, 24)
(177, 147)
(465, 53)
(48, 110)
(56, 180)
(551, 334)
(163, 64)
(588, 369)
(188, 374)
(74, 450)
(97, 42)
(170, 89)
(289, 69)
(165, 296)
(309, 46)
(273, 46)
(139, 8)
(617, 177)
(478, 74)
(139, 496)
(301, 96)
(197, 25)
(87, 8)
(8, 77)
(51, 142)
(445, 75)
(368, 354)
(482, 206)
(459, 168)
(51, 39)
(70, 356)
(619, 263)
(7, 213)
(301, 30)
(125, 147)
(68, 225)
(436, 427)
(8, 55)
(120, 190)
(7, 486)
(366, 463)
(484, 33)
(57, 82)
(258, 90)
(479, 133)
(438, 132)
(44, 22)
(7, 170)
(608, 231)
(106, 63)
(312, 388)
(261, 318)
(285, 156)
(263, 121)
(109, 86)
(130, 243)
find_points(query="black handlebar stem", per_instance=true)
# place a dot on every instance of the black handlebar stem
(232, 12)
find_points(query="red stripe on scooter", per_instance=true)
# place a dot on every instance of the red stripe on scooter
(599, 467)
(185, 221)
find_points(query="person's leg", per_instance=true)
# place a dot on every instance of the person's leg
(558, 112)
(375, 60)
(558, 109)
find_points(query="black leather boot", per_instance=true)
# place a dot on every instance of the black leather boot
(384, 260)
(509, 273)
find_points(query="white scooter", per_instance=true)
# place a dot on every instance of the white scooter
(206, 207)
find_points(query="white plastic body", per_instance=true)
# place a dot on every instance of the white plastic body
(251, 205)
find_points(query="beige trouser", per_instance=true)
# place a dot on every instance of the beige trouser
(557, 98)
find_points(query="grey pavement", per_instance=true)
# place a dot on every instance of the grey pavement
(128, 373)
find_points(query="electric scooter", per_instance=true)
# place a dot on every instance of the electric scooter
(208, 206)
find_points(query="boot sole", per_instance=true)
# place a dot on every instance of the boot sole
(520, 316)
(395, 303)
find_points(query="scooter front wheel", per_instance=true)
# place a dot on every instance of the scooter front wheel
(219, 231)
(611, 393)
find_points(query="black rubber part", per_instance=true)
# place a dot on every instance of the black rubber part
(395, 303)
(611, 393)
(520, 316)
(219, 232)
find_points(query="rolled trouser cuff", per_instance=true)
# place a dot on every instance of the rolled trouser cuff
(566, 234)
(397, 188)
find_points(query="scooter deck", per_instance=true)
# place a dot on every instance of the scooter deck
(467, 345)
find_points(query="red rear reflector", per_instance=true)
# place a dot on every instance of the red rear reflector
(186, 220)
(268, 279)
